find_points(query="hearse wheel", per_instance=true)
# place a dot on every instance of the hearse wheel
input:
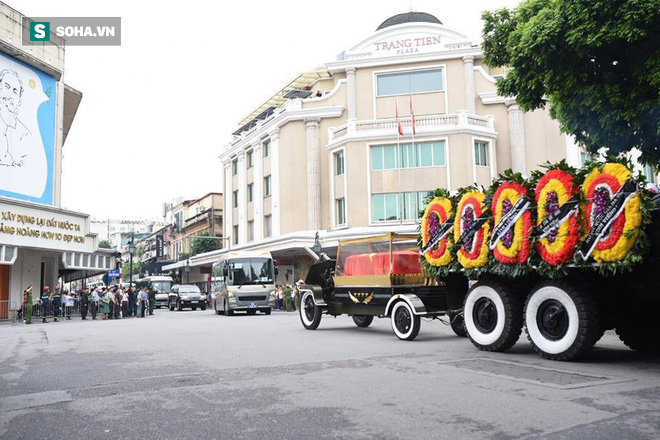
(458, 325)
(363, 320)
(493, 316)
(310, 313)
(562, 323)
(404, 322)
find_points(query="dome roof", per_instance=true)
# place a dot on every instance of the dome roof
(409, 17)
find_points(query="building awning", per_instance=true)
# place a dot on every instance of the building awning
(302, 82)
(8, 254)
(101, 261)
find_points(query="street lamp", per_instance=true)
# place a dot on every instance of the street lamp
(131, 251)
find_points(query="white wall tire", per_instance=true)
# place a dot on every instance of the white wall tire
(561, 322)
(310, 313)
(492, 316)
(405, 323)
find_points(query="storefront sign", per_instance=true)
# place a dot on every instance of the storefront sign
(406, 45)
(37, 228)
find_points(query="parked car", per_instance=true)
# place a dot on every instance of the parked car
(186, 296)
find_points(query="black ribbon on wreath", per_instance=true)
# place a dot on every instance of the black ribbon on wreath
(603, 222)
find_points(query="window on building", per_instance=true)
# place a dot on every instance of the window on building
(385, 207)
(339, 163)
(481, 153)
(649, 173)
(398, 206)
(268, 225)
(340, 211)
(250, 230)
(405, 83)
(249, 158)
(267, 186)
(235, 199)
(234, 232)
(423, 154)
(266, 148)
(250, 188)
(234, 167)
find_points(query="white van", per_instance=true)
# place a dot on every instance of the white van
(162, 284)
(244, 281)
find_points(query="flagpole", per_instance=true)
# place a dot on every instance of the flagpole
(412, 122)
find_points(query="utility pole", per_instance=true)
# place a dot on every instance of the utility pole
(131, 249)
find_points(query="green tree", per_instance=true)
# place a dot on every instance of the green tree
(201, 245)
(105, 244)
(126, 270)
(597, 62)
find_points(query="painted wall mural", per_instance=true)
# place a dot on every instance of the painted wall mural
(27, 131)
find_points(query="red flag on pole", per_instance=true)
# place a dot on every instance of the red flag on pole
(398, 122)
(412, 114)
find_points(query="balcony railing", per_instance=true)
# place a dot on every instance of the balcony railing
(385, 127)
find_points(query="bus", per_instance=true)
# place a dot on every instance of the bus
(244, 281)
(162, 284)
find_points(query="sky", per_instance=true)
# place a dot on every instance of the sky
(157, 110)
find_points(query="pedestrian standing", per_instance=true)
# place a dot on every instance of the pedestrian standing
(152, 299)
(28, 304)
(124, 304)
(84, 303)
(299, 286)
(94, 301)
(45, 304)
(131, 301)
(287, 297)
(56, 301)
(143, 301)
(117, 297)
(105, 304)
(136, 300)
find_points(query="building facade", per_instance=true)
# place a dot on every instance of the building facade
(352, 149)
(40, 242)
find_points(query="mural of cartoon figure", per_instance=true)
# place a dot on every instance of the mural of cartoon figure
(27, 131)
(11, 91)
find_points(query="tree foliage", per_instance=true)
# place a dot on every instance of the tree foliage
(201, 245)
(597, 62)
(105, 244)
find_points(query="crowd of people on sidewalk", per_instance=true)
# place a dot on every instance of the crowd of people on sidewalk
(288, 296)
(113, 302)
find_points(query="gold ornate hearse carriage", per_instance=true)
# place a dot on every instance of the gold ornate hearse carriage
(381, 276)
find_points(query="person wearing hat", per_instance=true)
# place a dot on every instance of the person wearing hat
(84, 302)
(298, 293)
(56, 298)
(27, 295)
(287, 297)
(45, 302)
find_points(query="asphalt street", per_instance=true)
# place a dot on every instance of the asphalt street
(193, 374)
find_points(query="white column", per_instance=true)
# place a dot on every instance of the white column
(258, 193)
(350, 90)
(275, 180)
(517, 137)
(242, 199)
(313, 142)
(470, 97)
(229, 202)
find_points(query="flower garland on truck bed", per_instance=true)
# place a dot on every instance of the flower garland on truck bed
(511, 241)
(561, 217)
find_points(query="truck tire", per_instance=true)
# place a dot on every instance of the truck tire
(493, 316)
(228, 311)
(640, 333)
(404, 322)
(458, 325)
(363, 320)
(562, 322)
(310, 313)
